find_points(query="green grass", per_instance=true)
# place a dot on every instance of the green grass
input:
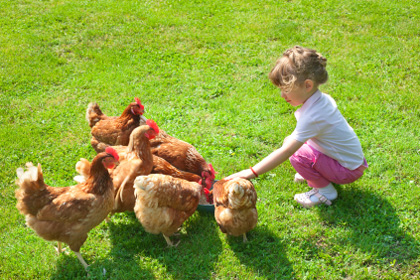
(200, 68)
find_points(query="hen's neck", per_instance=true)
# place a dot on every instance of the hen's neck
(99, 180)
(127, 114)
(141, 146)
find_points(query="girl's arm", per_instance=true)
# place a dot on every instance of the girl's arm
(290, 146)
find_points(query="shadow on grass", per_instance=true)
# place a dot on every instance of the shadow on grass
(136, 254)
(263, 252)
(69, 267)
(373, 224)
(117, 264)
(199, 247)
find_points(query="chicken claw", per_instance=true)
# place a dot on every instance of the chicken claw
(170, 244)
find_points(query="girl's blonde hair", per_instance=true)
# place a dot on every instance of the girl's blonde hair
(296, 65)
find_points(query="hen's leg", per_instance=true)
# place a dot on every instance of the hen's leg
(244, 238)
(170, 244)
(58, 248)
(79, 256)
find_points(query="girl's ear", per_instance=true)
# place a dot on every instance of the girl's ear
(309, 84)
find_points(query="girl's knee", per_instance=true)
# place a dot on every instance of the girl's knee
(296, 160)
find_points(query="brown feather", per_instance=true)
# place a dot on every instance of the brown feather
(235, 206)
(65, 214)
(161, 166)
(111, 131)
(163, 202)
(180, 154)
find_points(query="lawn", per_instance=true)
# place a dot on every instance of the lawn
(201, 69)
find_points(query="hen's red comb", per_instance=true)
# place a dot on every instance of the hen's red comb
(112, 152)
(153, 125)
(212, 169)
(213, 172)
(206, 191)
(139, 103)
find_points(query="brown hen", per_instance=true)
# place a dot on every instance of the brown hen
(163, 203)
(135, 159)
(183, 156)
(67, 214)
(111, 131)
(235, 206)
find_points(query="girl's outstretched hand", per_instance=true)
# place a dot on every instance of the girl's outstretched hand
(246, 174)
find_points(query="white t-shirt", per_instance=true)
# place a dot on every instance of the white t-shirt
(321, 125)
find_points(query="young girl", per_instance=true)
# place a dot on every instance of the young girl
(323, 148)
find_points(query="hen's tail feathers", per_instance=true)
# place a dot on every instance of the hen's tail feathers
(83, 168)
(142, 120)
(93, 114)
(30, 182)
(31, 179)
(79, 179)
(241, 196)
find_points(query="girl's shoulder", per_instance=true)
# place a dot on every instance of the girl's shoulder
(329, 99)
(323, 110)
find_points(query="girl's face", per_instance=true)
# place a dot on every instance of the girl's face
(299, 93)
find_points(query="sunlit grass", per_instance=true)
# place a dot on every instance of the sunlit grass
(200, 68)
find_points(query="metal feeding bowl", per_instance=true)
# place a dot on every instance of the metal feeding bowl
(207, 207)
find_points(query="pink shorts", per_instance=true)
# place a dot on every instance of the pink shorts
(319, 170)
